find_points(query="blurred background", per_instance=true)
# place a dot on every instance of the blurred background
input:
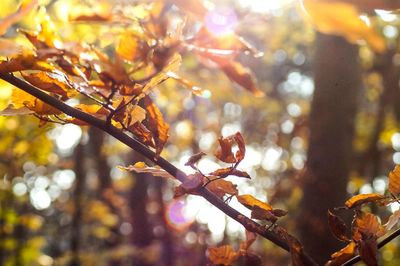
(326, 128)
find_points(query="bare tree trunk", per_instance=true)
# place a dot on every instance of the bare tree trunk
(78, 198)
(337, 78)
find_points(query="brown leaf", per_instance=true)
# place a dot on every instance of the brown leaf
(156, 124)
(193, 182)
(141, 167)
(343, 255)
(279, 212)
(262, 214)
(242, 76)
(22, 11)
(223, 255)
(360, 199)
(225, 153)
(367, 225)
(249, 201)
(338, 227)
(194, 159)
(24, 61)
(224, 172)
(394, 180)
(220, 187)
(393, 220)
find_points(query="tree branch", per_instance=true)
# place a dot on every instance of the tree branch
(386, 240)
(277, 239)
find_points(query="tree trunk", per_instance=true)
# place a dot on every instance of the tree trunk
(337, 77)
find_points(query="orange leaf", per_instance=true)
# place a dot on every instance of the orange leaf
(55, 82)
(394, 180)
(343, 255)
(368, 225)
(358, 200)
(338, 226)
(20, 99)
(130, 46)
(220, 187)
(156, 124)
(249, 201)
(223, 255)
(24, 61)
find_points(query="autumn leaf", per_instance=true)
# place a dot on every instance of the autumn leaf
(360, 199)
(223, 255)
(131, 46)
(24, 61)
(262, 214)
(224, 172)
(367, 225)
(21, 99)
(338, 227)
(141, 167)
(54, 82)
(156, 124)
(196, 90)
(220, 187)
(343, 255)
(242, 76)
(225, 153)
(394, 180)
(194, 159)
(343, 19)
(245, 245)
(249, 201)
(190, 185)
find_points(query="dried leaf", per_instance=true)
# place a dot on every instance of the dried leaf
(343, 255)
(393, 220)
(368, 249)
(343, 19)
(196, 90)
(131, 47)
(279, 212)
(360, 199)
(223, 255)
(224, 172)
(220, 187)
(54, 82)
(193, 182)
(141, 167)
(338, 227)
(367, 225)
(156, 124)
(249, 201)
(194, 159)
(20, 99)
(24, 61)
(262, 214)
(242, 76)
(225, 153)
(394, 180)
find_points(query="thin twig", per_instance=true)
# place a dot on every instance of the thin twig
(249, 224)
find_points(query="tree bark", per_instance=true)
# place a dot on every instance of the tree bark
(337, 77)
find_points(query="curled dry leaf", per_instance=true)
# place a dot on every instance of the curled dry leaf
(360, 199)
(141, 167)
(367, 225)
(343, 255)
(249, 201)
(262, 214)
(394, 180)
(223, 255)
(190, 185)
(54, 82)
(338, 227)
(225, 153)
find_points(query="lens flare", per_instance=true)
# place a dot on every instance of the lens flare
(175, 216)
(221, 21)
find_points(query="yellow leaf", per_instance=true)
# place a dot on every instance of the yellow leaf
(21, 99)
(394, 180)
(343, 19)
(128, 45)
(357, 200)
(249, 201)
(343, 255)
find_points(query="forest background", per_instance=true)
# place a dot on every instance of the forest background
(312, 87)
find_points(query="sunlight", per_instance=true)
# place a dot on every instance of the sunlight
(264, 6)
